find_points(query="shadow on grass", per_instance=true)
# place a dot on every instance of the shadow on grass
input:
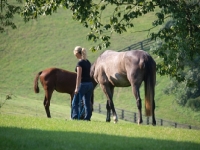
(32, 139)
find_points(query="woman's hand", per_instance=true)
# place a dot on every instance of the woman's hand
(76, 91)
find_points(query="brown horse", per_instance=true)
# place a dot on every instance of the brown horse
(123, 69)
(62, 81)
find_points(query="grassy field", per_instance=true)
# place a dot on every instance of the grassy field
(23, 125)
(49, 42)
(32, 107)
(38, 133)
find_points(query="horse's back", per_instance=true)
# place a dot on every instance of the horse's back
(119, 58)
(119, 67)
(57, 73)
(110, 59)
(59, 79)
(137, 58)
(123, 61)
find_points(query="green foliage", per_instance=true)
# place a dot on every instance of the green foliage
(194, 104)
(92, 15)
(7, 12)
(178, 47)
(180, 39)
(188, 89)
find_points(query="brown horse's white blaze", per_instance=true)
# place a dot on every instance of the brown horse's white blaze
(62, 81)
(123, 69)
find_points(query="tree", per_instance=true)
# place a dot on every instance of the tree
(187, 95)
(178, 45)
(180, 41)
(180, 38)
(7, 12)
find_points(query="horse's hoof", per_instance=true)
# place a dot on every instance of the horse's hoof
(115, 121)
(154, 124)
(140, 122)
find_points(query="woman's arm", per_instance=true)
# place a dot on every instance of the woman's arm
(78, 79)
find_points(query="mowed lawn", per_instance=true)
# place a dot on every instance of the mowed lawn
(24, 126)
(41, 133)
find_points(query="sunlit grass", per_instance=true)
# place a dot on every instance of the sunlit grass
(28, 132)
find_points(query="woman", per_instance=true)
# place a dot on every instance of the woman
(84, 86)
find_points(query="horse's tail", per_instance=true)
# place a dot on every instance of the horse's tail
(36, 88)
(149, 85)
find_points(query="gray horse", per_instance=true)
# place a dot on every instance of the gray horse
(123, 69)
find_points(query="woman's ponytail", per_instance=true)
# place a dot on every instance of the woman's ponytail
(84, 53)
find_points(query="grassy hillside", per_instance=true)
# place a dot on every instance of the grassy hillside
(49, 42)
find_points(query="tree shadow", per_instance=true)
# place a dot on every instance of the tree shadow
(34, 139)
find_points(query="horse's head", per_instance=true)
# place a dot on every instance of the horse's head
(92, 69)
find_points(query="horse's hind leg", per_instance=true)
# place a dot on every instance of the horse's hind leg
(153, 114)
(139, 105)
(46, 103)
(136, 93)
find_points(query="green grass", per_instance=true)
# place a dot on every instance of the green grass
(38, 133)
(49, 42)
(22, 106)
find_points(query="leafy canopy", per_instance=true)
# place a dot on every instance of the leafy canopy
(7, 11)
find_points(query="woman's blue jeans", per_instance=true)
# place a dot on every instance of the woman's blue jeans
(84, 93)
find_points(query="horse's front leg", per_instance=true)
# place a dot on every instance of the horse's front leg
(115, 118)
(109, 107)
(108, 90)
